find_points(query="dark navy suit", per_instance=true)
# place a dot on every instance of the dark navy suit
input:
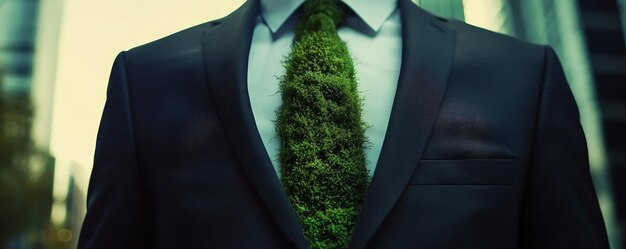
(484, 148)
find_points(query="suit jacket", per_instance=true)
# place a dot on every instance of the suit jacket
(484, 148)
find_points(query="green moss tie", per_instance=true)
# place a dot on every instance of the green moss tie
(319, 123)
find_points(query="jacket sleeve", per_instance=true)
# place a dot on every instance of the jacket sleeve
(116, 201)
(560, 207)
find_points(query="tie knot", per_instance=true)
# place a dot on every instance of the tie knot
(320, 15)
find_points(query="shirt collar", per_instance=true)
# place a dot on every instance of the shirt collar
(372, 12)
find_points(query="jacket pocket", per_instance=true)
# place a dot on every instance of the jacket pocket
(465, 172)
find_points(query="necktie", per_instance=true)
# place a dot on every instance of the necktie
(321, 130)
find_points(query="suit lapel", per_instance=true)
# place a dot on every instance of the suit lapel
(427, 54)
(225, 50)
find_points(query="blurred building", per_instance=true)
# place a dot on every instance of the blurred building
(17, 21)
(602, 23)
(448, 8)
(17, 39)
(25, 169)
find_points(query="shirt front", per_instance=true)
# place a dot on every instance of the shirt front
(374, 38)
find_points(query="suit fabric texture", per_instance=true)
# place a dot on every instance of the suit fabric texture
(484, 148)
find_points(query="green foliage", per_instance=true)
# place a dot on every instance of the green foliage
(322, 155)
(25, 195)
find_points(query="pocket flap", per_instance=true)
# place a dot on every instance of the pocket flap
(465, 172)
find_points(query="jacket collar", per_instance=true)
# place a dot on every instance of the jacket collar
(373, 12)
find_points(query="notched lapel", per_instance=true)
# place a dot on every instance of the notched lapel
(225, 50)
(427, 53)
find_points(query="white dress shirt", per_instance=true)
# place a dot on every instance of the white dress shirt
(375, 42)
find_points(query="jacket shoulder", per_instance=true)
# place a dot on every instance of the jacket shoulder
(484, 50)
(500, 47)
(160, 67)
(171, 45)
(469, 35)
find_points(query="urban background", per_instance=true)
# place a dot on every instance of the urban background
(55, 57)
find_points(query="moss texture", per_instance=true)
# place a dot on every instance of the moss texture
(319, 123)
